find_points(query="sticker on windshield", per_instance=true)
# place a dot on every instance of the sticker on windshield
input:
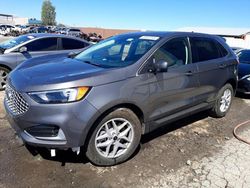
(31, 37)
(149, 37)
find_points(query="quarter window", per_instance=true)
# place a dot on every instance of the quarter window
(68, 44)
(223, 51)
(47, 44)
(175, 52)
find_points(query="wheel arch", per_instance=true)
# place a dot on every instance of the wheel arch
(134, 108)
(232, 82)
(5, 66)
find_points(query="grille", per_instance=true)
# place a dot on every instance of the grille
(14, 100)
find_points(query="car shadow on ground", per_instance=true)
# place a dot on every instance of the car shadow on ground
(63, 156)
(68, 156)
(242, 96)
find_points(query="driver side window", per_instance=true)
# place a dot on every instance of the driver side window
(175, 52)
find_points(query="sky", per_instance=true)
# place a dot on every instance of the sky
(139, 14)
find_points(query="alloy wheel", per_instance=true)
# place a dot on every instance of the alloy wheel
(114, 138)
(225, 101)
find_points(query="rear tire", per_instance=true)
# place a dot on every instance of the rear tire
(115, 138)
(223, 102)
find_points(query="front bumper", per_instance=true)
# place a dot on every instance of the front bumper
(73, 119)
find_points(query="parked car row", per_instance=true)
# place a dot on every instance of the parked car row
(9, 30)
(104, 99)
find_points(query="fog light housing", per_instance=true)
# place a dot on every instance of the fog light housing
(43, 131)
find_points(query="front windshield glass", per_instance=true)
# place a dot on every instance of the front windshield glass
(244, 56)
(118, 51)
(15, 41)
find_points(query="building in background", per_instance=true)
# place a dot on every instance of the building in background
(6, 19)
(34, 21)
(15, 20)
(235, 37)
(20, 21)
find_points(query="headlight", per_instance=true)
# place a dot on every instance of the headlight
(248, 78)
(60, 96)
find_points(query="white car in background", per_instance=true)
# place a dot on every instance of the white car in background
(6, 29)
(24, 28)
(73, 32)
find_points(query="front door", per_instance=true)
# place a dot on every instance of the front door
(172, 91)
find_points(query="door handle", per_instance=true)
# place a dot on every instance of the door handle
(189, 73)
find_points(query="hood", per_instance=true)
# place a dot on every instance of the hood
(243, 70)
(49, 72)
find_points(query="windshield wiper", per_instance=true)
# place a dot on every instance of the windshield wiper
(91, 63)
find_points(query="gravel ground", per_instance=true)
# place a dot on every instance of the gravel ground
(198, 151)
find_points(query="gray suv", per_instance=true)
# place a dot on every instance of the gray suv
(103, 100)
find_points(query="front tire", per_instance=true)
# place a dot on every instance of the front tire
(115, 138)
(223, 102)
(4, 72)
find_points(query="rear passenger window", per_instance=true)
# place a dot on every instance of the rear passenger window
(69, 44)
(204, 49)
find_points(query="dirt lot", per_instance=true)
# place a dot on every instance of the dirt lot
(198, 151)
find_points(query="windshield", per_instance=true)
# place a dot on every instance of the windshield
(118, 51)
(15, 41)
(244, 56)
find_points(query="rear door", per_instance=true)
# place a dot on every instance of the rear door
(208, 54)
(172, 91)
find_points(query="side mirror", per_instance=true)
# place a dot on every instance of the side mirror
(159, 66)
(23, 49)
(72, 54)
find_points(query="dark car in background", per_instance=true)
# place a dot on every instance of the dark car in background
(244, 71)
(19, 49)
(41, 29)
(113, 92)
